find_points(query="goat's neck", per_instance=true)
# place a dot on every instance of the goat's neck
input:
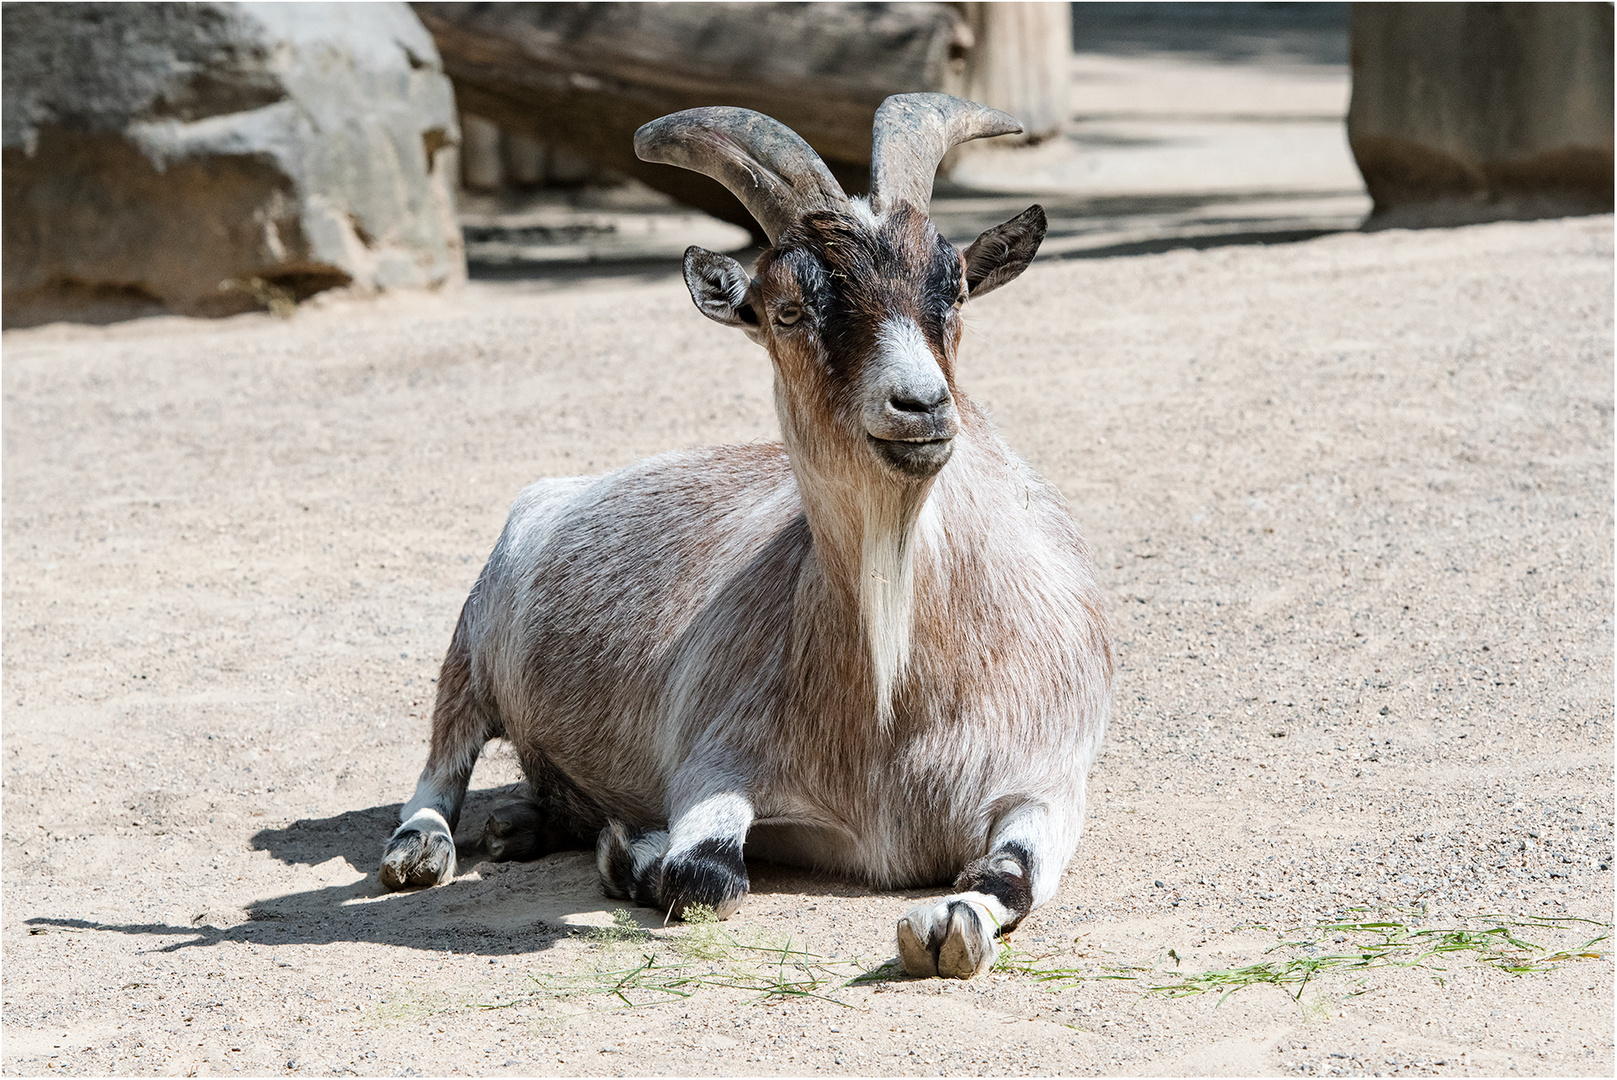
(869, 533)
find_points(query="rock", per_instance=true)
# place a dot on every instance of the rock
(209, 159)
(1480, 112)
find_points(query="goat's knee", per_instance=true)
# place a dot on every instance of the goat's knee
(647, 867)
(703, 867)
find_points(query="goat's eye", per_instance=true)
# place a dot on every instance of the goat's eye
(787, 314)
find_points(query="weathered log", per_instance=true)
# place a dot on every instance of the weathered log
(1478, 112)
(584, 76)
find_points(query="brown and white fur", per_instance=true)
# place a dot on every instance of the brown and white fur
(876, 649)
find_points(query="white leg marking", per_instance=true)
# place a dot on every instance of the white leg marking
(425, 820)
(420, 852)
(718, 817)
(954, 938)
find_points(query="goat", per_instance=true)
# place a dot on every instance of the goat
(875, 649)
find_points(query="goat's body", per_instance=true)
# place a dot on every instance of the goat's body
(639, 633)
(875, 649)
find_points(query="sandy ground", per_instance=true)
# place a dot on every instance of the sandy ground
(1165, 150)
(1352, 501)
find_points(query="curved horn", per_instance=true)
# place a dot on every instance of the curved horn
(777, 176)
(913, 132)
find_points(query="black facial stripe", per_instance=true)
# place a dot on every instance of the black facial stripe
(856, 263)
(853, 277)
(811, 279)
(942, 289)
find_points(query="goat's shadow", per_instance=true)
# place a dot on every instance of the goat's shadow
(504, 909)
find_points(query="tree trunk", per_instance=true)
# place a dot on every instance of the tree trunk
(1018, 62)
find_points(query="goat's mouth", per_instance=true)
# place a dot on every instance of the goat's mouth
(918, 458)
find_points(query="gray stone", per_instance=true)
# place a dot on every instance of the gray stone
(214, 158)
(1479, 112)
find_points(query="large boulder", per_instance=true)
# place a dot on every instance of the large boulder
(1476, 112)
(214, 158)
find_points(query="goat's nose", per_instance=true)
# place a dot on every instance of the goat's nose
(920, 401)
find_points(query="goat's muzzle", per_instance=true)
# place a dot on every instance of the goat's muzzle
(913, 435)
(910, 417)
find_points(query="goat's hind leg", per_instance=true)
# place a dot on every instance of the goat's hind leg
(555, 815)
(422, 849)
(517, 831)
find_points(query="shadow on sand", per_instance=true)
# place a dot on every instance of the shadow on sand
(490, 909)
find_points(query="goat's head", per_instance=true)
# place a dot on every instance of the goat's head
(857, 301)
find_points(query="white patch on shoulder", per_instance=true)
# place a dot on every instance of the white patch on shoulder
(695, 673)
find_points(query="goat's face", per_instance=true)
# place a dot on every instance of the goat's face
(862, 321)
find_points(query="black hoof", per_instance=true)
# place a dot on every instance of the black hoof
(521, 830)
(710, 874)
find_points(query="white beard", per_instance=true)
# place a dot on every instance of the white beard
(887, 595)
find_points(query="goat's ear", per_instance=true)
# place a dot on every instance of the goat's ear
(1004, 251)
(718, 284)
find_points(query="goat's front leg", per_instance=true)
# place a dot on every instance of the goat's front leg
(697, 862)
(955, 937)
(421, 850)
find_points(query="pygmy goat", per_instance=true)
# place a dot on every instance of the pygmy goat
(875, 648)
